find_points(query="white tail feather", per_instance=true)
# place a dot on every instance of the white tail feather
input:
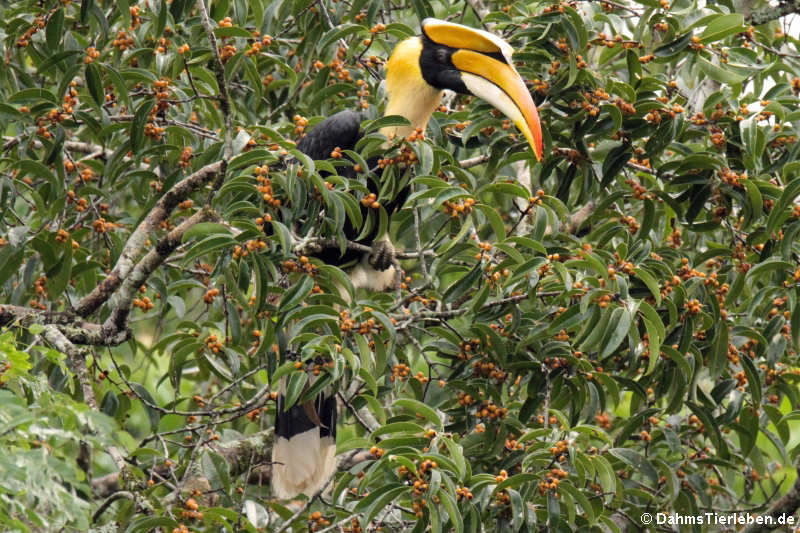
(302, 464)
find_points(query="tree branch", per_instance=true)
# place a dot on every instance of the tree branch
(149, 263)
(77, 361)
(785, 506)
(767, 14)
(224, 95)
(160, 212)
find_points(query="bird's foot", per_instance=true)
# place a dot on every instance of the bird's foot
(382, 255)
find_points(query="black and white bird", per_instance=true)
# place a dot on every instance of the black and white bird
(445, 56)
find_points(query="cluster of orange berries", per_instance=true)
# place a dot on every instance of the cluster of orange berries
(631, 222)
(162, 45)
(337, 66)
(459, 207)
(417, 135)
(731, 178)
(551, 420)
(718, 138)
(209, 296)
(377, 452)
(400, 372)
(213, 344)
(459, 126)
(300, 124)
(40, 286)
(694, 421)
(135, 20)
(661, 26)
(91, 55)
(153, 131)
(782, 140)
(603, 40)
(556, 362)
(551, 481)
(674, 239)
(265, 187)
(485, 247)
(86, 175)
(191, 510)
(463, 493)
(304, 265)
(161, 94)
(488, 409)
(186, 157)
(465, 400)
(695, 43)
(694, 307)
(512, 444)
(62, 235)
(362, 93)
(562, 336)
(256, 47)
(102, 225)
(226, 52)
(181, 529)
(560, 451)
(467, 348)
(262, 221)
(488, 369)
(741, 378)
(656, 115)
(603, 420)
(625, 107)
(144, 303)
(254, 245)
(38, 23)
(371, 201)
(733, 354)
(639, 191)
(406, 157)
(80, 204)
(317, 521)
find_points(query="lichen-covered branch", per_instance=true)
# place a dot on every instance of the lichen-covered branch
(77, 361)
(767, 14)
(136, 242)
(149, 263)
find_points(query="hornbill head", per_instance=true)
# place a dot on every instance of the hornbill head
(464, 60)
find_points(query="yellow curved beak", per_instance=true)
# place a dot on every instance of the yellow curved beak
(487, 71)
(521, 109)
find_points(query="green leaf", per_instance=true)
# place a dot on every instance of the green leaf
(619, 325)
(420, 410)
(86, 7)
(294, 388)
(464, 284)
(140, 119)
(378, 499)
(153, 414)
(55, 29)
(673, 47)
(94, 84)
(723, 26)
(614, 163)
(718, 73)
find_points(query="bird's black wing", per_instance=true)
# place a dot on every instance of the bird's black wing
(342, 129)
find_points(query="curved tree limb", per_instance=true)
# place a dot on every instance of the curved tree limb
(136, 242)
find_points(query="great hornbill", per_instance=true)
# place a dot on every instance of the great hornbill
(445, 56)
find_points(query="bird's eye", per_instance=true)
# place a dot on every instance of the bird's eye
(442, 56)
